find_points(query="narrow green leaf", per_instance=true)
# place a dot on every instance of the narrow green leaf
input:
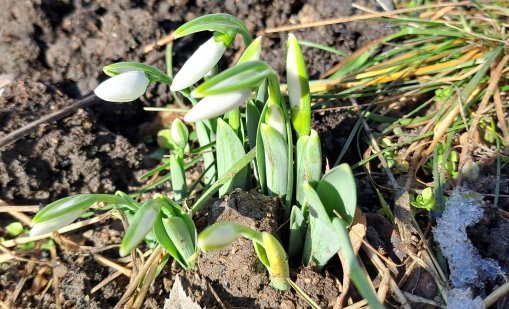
(153, 74)
(357, 274)
(246, 75)
(206, 135)
(252, 119)
(164, 240)
(297, 233)
(178, 232)
(229, 150)
(338, 191)
(178, 177)
(321, 241)
(224, 23)
(322, 47)
(276, 160)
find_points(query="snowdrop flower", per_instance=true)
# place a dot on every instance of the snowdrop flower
(54, 224)
(199, 64)
(60, 213)
(216, 105)
(124, 87)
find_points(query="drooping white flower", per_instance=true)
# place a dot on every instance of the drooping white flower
(54, 224)
(216, 105)
(124, 87)
(199, 64)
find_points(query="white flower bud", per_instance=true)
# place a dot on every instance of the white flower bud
(217, 236)
(216, 105)
(293, 76)
(54, 224)
(179, 133)
(141, 224)
(124, 87)
(275, 119)
(200, 63)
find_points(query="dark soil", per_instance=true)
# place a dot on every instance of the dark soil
(56, 49)
(236, 274)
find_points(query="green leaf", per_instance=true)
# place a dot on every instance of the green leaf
(321, 242)
(309, 162)
(357, 274)
(153, 74)
(322, 47)
(261, 254)
(252, 119)
(14, 229)
(338, 191)
(164, 240)
(206, 135)
(297, 233)
(178, 231)
(73, 203)
(276, 160)
(229, 150)
(224, 23)
(246, 75)
(178, 177)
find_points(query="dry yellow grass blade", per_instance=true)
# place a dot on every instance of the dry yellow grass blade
(495, 76)
(340, 20)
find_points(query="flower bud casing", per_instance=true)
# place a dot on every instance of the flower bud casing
(141, 224)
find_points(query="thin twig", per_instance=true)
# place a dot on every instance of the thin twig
(28, 269)
(420, 299)
(71, 227)
(105, 281)
(107, 262)
(500, 292)
(502, 121)
(147, 281)
(132, 287)
(9, 208)
(160, 42)
(25, 130)
(56, 281)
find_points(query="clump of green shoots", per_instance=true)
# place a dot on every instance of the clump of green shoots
(240, 116)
